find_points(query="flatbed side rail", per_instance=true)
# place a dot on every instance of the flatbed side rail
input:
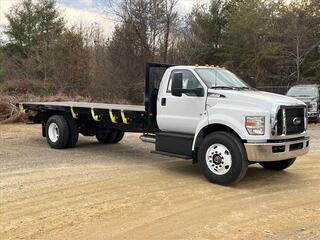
(93, 118)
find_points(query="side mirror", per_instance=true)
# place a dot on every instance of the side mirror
(253, 82)
(176, 86)
(199, 92)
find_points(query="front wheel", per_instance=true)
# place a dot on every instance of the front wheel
(278, 165)
(222, 158)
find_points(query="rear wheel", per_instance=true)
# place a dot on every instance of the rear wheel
(106, 137)
(73, 131)
(57, 132)
(119, 136)
(222, 158)
(278, 165)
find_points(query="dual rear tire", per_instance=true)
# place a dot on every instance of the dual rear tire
(114, 136)
(62, 132)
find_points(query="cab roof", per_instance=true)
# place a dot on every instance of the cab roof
(307, 85)
(190, 67)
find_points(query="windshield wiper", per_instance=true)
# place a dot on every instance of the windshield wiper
(229, 88)
(303, 96)
(243, 88)
(222, 87)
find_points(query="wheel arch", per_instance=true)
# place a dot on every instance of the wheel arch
(206, 130)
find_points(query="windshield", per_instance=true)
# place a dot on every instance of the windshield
(302, 92)
(220, 78)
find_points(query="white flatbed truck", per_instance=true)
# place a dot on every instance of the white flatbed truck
(202, 113)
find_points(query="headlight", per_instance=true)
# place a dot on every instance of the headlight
(313, 106)
(255, 125)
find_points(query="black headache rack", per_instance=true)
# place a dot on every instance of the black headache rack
(96, 116)
(151, 94)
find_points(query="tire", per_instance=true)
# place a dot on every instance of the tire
(73, 132)
(119, 136)
(222, 158)
(57, 132)
(106, 137)
(86, 133)
(278, 165)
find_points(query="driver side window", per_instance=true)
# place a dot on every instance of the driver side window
(189, 81)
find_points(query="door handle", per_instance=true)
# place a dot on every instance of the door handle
(163, 101)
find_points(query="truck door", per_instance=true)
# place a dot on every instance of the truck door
(181, 114)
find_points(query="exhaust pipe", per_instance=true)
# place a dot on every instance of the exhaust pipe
(148, 138)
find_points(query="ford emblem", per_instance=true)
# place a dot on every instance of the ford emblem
(297, 121)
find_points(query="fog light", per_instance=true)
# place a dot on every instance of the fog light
(278, 149)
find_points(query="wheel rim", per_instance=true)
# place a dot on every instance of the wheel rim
(218, 159)
(53, 132)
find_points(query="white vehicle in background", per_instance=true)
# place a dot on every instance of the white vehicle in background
(310, 95)
(202, 113)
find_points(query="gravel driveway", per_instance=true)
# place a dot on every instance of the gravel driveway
(123, 191)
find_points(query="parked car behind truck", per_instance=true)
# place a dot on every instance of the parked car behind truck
(310, 95)
(206, 114)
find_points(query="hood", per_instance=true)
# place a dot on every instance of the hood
(306, 99)
(259, 99)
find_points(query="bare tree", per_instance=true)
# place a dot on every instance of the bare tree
(301, 24)
(170, 19)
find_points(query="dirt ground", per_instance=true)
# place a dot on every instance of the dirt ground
(125, 192)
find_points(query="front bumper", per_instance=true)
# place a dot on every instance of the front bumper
(313, 115)
(267, 152)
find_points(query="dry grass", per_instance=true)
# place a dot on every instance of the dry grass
(9, 113)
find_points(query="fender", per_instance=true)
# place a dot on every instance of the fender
(203, 125)
(220, 115)
(204, 121)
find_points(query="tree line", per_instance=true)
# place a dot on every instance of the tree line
(273, 42)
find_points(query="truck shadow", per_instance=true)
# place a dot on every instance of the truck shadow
(257, 176)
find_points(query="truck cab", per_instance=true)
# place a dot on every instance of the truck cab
(310, 95)
(211, 115)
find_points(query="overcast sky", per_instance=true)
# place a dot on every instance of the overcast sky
(88, 12)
